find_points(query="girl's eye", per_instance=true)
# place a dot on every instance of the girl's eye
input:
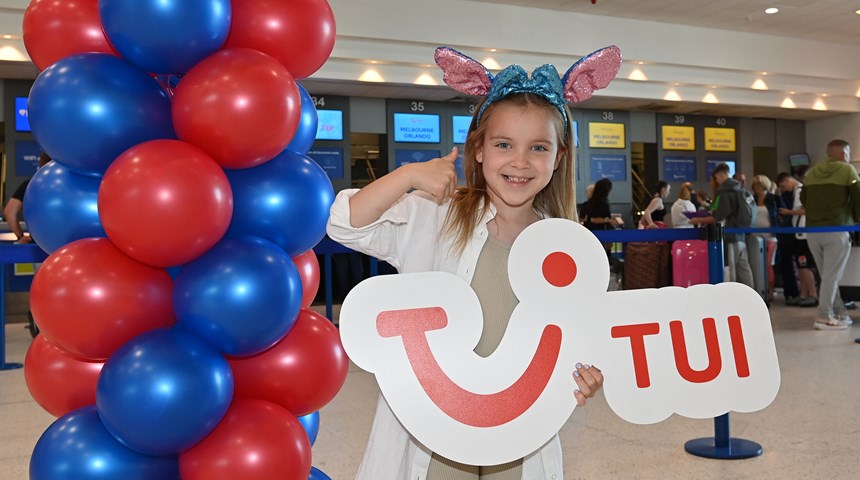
(540, 148)
(503, 145)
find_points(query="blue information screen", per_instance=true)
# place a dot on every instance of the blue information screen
(22, 119)
(402, 157)
(329, 125)
(330, 159)
(713, 162)
(416, 128)
(26, 158)
(460, 125)
(613, 167)
(679, 169)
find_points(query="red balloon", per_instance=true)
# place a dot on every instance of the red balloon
(256, 440)
(301, 373)
(59, 381)
(309, 271)
(89, 298)
(54, 30)
(298, 33)
(240, 106)
(165, 202)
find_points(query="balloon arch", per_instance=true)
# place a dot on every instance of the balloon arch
(180, 213)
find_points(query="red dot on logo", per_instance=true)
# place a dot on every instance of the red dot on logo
(559, 269)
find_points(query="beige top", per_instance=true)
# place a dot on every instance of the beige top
(493, 287)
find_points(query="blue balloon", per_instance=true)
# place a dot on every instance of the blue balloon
(166, 36)
(311, 424)
(87, 109)
(164, 391)
(77, 446)
(307, 131)
(317, 474)
(241, 296)
(285, 200)
(61, 206)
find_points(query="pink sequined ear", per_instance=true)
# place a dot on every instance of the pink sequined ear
(463, 73)
(591, 73)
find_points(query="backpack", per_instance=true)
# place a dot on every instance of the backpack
(746, 208)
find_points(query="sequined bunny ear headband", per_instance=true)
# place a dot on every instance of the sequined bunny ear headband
(590, 73)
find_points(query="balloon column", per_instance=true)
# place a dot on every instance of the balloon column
(178, 133)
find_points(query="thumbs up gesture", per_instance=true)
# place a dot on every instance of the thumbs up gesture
(438, 177)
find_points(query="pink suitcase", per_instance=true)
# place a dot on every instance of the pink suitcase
(689, 262)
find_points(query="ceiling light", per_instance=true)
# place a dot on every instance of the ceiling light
(7, 36)
(819, 105)
(426, 79)
(637, 75)
(788, 103)
(12, 54)
(491, 64)
(371, 75)
(710, 98)
(672, 96)
(825, 94)
(759, 85)
(493, 50)
(858, 93)
(771, 10)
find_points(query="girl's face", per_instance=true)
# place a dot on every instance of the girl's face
(519, 153)
(665, 192)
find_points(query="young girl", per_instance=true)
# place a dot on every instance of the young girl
(519, 168)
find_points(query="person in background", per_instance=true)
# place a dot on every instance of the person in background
(694, 195)
(703, 201)
(14, 209)
(786, 241)
(596, 214)
(740, 178)
(766, 217)
(808, 296)
(726, 209)
(683, 204)
(654, 213)
(831, 196)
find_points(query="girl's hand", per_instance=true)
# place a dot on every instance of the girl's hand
(589, 379)
(438, 177)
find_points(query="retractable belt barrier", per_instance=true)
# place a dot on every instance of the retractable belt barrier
(720, 446)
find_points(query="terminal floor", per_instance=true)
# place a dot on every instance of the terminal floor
(812, 430)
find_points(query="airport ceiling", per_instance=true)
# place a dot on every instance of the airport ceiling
(824, 20)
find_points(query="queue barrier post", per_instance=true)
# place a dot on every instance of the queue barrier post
(10, 254)
(721, 446)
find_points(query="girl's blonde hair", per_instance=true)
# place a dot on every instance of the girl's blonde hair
(684, 192)
(470, 203)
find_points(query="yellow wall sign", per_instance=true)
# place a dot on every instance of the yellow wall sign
(606, 135)
(679, 137)
(719, 139)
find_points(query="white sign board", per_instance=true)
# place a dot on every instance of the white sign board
(699, 351)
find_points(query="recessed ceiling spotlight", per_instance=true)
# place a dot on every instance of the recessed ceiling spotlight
(493, 50)
(857, 12)
(771, 10)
